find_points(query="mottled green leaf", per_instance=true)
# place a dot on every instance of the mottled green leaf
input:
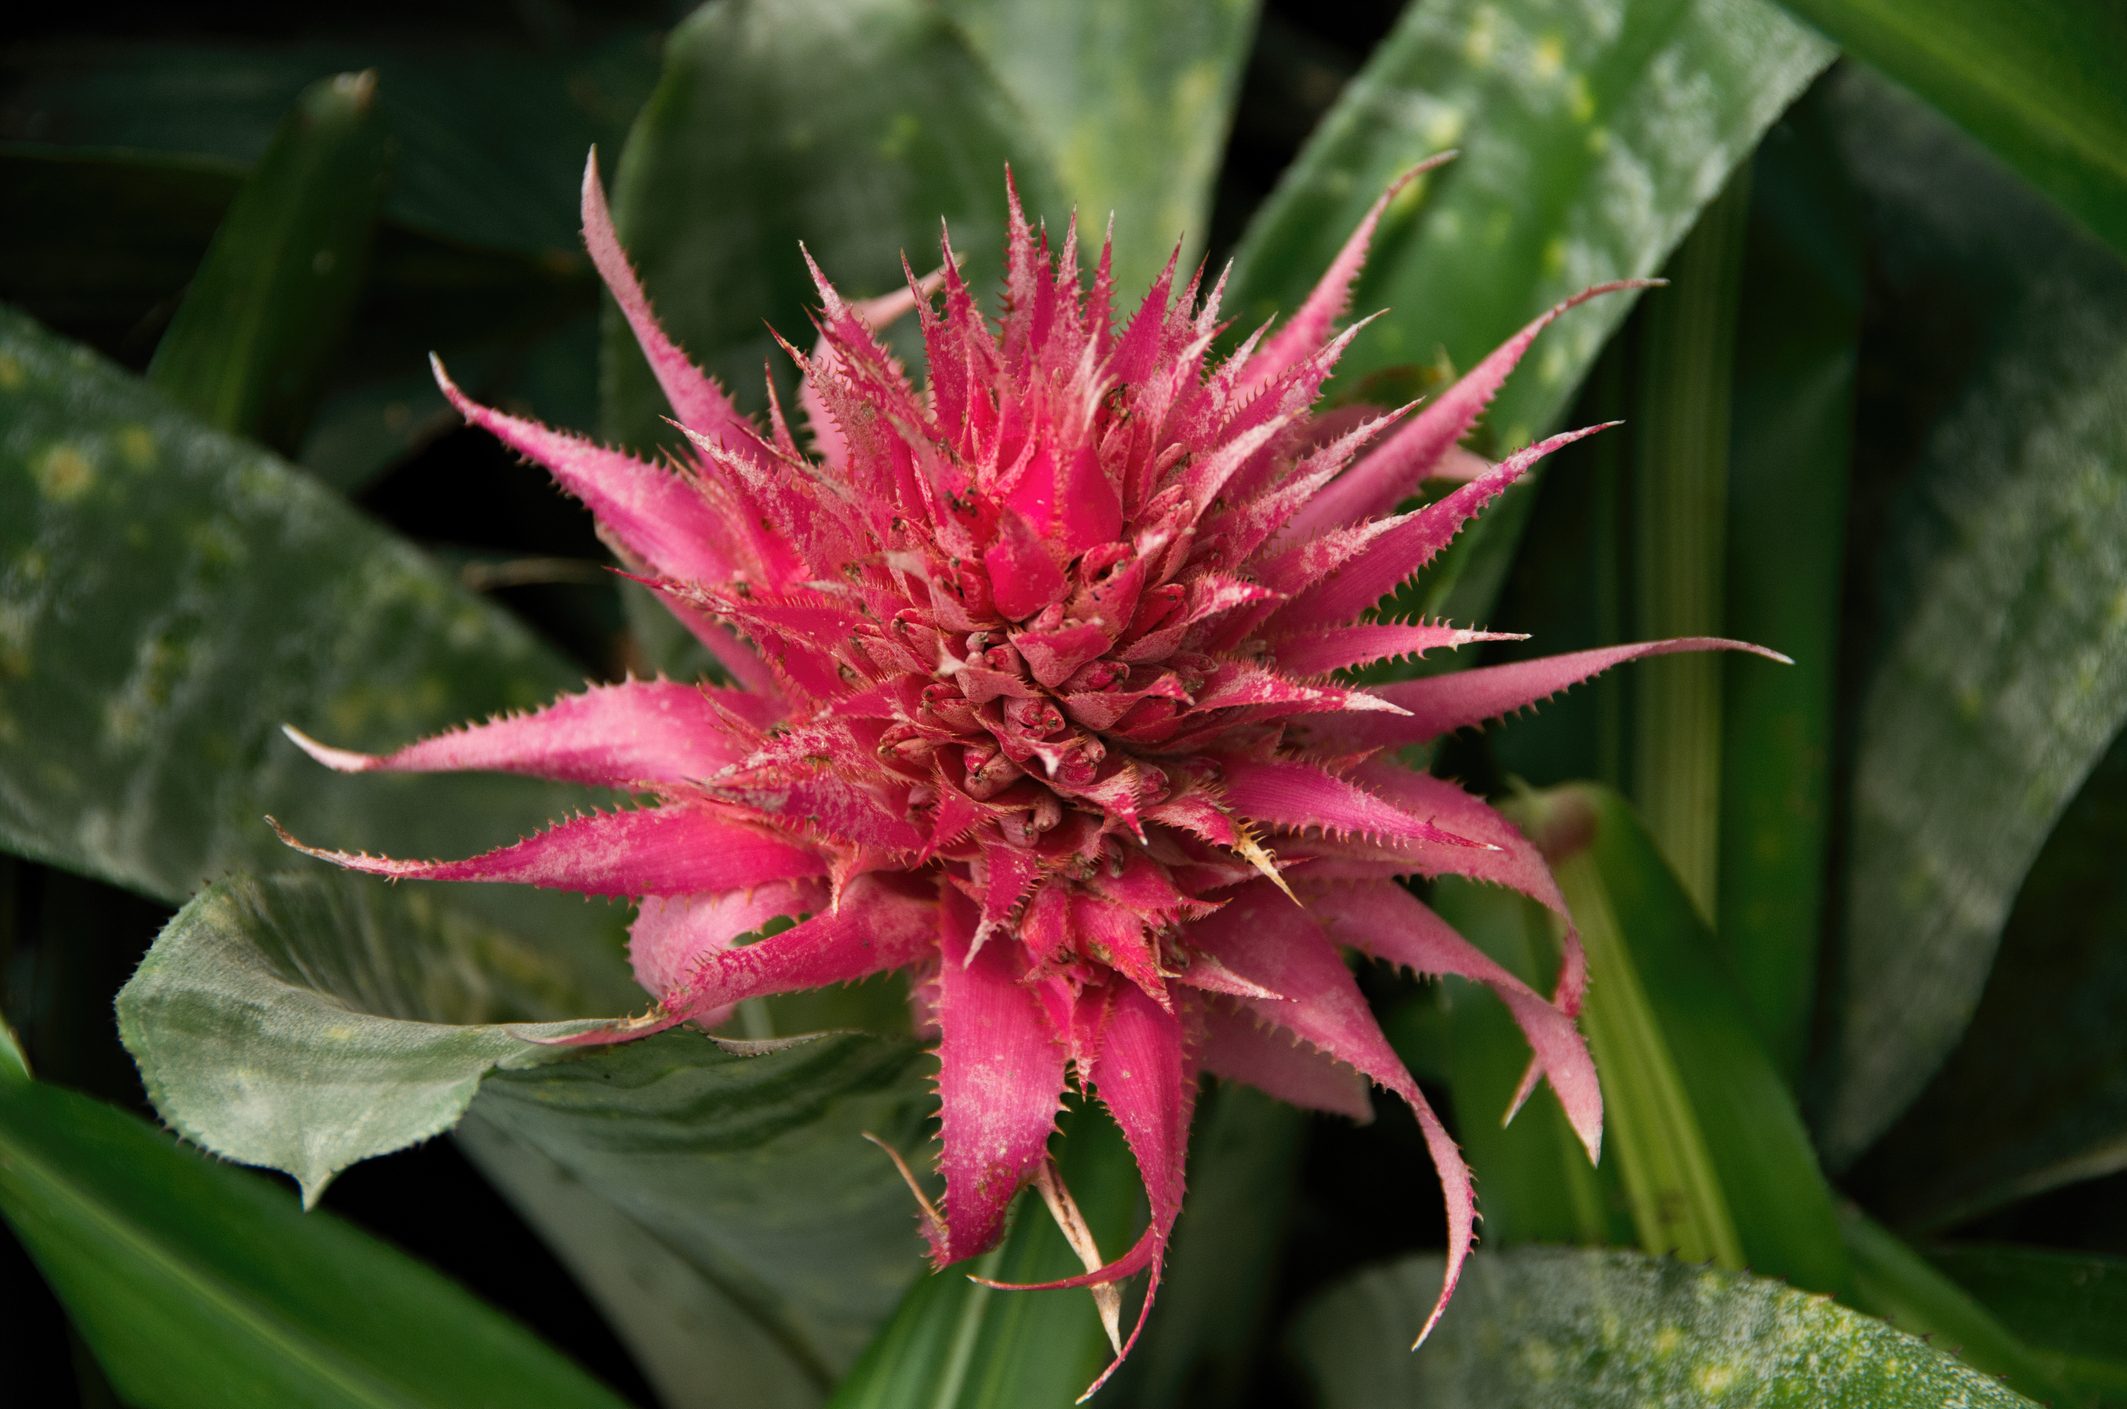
(1714, 1158)
(1997, 677)
(2040, 84)
(1590, 138)
(1555, 1329)
(202, 1287)
(719, 1200)
(1895, 1282)
(955, 1345)
(170, 595)
(247, 350)
(2009, 1116)
(308, 1022)
(1796, 354)
(854, 127)
(1132, 99)
(2068, 1306)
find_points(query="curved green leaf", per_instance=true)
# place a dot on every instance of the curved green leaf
(201, 1287)
(1555, 1329)
(1997, 679)
(1133, 99)
(247, 349)
(2040, 84)
(1590, 138)
(1715, 1160)
(2008, 1117)
(854, 127)
(718, 1198)
(170, 595)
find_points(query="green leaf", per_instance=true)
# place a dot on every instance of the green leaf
(1796, 353)
(14, 1066)
(1590, 139)
(2068, 1306)
(1204, 1343)
(1556, 1329)
(2039, 84)
(1715, 1160)
(1133, 99)
(1995, 682)
(198, 1285)
(851, 126)
(1683, 387)
(1896, 1283)
(490, 128)
(2008, 1117)
(293, 1022)
(248, 348)
(750, 1174)
(955, 1345)
(1535, 1182)
(719, 1200)
(170, 595)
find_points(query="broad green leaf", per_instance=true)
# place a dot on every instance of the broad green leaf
(2008, 1117)
(490, 128)
(955, 1345)
(1895, 1282)
(2039, 84)
(1132, 99)
(1556, 1329)
(202, 1287)
(1796, 352)
(2068, 1306)
(1996, 679)
(14, 1066)
(308, 1022)
(170, 595)
(248, 348)
(1590, 139)
(854, 127)
(720, 1200)
(1715, 1160)
(751, 1174)
(1683, 388)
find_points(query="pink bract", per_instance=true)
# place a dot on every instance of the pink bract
(1037, 696)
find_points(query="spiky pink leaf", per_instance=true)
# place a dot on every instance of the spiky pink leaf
(1241, 1047)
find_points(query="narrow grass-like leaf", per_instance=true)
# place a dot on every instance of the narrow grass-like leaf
(1714, 1157)
(2067, 1306)
(1133, 99)
(248, 348)
(1590, 139)
(1796, 355)
(1997, 679)
(953, 1344)
(2039, 84)
(201, 1286)
(1534, 1177)
(1680, 437)
(1545, 1328)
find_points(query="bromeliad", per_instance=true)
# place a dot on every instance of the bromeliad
(1038, 690)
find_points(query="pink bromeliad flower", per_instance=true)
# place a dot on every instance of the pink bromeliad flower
(1036, 695)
